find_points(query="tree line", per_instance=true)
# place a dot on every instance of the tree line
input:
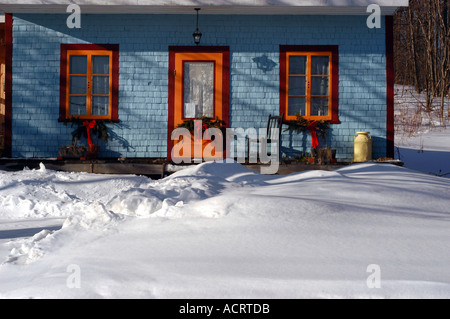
(422, 50)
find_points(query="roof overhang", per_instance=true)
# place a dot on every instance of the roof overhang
(258, 7)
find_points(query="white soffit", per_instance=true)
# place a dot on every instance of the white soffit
(258, 7)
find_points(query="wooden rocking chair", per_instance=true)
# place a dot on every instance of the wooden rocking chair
(273, 136)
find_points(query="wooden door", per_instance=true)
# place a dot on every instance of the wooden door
(198, 87)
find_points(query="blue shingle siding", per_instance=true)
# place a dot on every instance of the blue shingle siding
(143, 78)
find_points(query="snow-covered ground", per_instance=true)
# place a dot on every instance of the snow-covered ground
(221, 231)
(422, 140)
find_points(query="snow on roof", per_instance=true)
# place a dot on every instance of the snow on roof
(308, 7)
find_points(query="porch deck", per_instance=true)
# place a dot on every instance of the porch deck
(152, 167)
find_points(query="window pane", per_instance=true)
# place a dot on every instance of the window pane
(78, 85)
(100, 85)
(77, 105)
(198, 89)
(297, 64)
(100, 105)
(297, 106)
(320, 65)
(78, 64)
(297, 85)
(319, 85)
(100, 64)
(319, 106)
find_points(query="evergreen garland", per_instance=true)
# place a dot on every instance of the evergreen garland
(100, 128)
(300, 124)
(206, 123)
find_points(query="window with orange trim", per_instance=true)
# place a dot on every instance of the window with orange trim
(309, 84)
(89, 83)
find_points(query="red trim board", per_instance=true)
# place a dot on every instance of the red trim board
(390, 129)
(8, 83)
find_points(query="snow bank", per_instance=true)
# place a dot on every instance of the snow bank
(29, 250)
(222, 231)
(45, 193)
(168, 197)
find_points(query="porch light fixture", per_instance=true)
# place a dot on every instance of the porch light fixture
(197, 34)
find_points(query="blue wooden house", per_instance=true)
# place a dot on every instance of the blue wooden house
(137, 65)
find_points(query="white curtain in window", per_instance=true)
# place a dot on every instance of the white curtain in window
(198, 89)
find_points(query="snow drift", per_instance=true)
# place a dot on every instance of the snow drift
(218, 230)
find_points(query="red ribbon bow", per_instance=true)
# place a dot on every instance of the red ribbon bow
(89, 125)
(199, 128)
(205, 128)
(312, 128)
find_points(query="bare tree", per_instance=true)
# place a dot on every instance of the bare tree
(422, 44)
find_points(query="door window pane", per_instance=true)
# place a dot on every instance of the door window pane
(297, 85)
(319, 106)
(100, 85)
(297, 65)
(319, 85)
(198, 89)
(77, 105)
(100, 64)
(297, 106)
(100, 105)
(78, 64)
(320, 65)
(78, 85)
